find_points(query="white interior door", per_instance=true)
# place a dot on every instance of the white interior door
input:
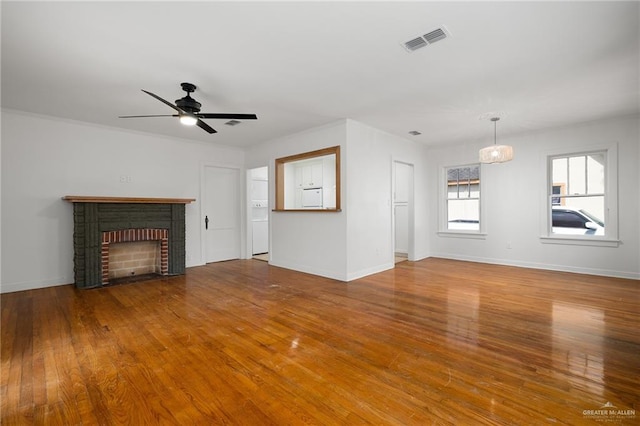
(222, 214)
(402, 228)
(403, 208)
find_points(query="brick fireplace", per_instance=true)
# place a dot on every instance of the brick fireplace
(100, 222)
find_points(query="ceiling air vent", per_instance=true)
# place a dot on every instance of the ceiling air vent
(426, 39)
(416, 43)
(435, 35)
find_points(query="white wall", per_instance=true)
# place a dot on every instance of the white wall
(357, 241)
(512, 194)
(44, 159)
(313, 242)
(369, 156)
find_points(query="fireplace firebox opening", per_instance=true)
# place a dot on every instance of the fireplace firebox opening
(130, 252)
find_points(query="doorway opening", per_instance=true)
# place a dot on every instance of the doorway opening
(403, 211)
(259, 212)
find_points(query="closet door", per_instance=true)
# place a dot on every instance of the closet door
(222, 214)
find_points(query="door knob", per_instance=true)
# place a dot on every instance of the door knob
(206, 222)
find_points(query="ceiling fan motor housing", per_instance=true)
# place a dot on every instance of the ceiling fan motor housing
(187, 103)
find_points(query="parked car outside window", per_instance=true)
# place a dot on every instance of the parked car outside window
(566, 220)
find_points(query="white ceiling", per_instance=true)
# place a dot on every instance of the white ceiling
(302, 64)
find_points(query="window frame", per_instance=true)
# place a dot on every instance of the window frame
(610, 237)
(444, 230)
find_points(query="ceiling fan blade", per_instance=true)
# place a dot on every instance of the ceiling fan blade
(169, 104)
(204, 126)
(229, 116)
(144, 116)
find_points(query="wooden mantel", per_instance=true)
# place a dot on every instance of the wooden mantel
(129, 200)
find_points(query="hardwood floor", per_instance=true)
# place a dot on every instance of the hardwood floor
(241, 342)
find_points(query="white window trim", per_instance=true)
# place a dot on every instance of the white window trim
(443, 231)
(477, 235)
(610, 239)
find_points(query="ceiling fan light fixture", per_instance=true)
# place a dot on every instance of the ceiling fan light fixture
(188, 120)
(188, 111)
(496, 153)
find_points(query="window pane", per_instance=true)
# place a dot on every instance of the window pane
(559, 172)
(463, 214)
(463, 173)
(592, 206)
(595, 174)
(577, 177)
(452, 191)
(452, 176)
(452, 183)
(579, 216)
(463, 182)
(464, 190)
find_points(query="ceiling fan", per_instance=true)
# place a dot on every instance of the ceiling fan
(189, 110)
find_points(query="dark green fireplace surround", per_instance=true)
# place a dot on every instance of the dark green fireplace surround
(93, 215)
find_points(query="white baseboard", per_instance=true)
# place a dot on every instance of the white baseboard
(550, 267)
(369, 271)
(308, 269)
(32, 285)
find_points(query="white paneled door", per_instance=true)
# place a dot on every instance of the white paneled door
(221, 214)
(403, 208)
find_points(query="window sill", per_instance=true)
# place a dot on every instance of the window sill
(462, 234)
(579, 241)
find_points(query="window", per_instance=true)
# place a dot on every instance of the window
(577, 194)
(462, 199)
(581, 197)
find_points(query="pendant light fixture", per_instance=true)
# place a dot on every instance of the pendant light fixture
(496, 153)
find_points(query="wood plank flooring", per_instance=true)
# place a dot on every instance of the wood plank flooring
(241, 342)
